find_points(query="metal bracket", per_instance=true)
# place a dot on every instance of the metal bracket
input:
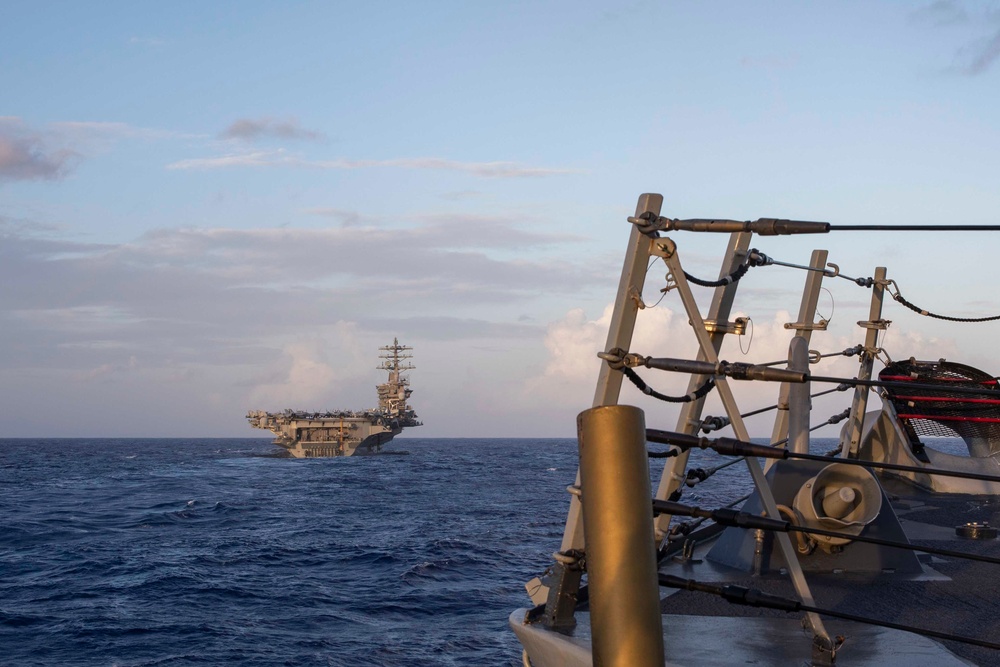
(737, 326)
(802, 326)
(664, 248)
(636, 297)
(878, 325)
(671, 284)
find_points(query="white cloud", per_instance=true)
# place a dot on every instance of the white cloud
(254, 159)
(567, 382)
(252, 129)
(310, 370)
(107, 370)
(280, 158)
(28, 154)
(53, 151)
(570, 375)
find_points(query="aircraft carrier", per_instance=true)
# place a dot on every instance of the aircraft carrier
(343, 432)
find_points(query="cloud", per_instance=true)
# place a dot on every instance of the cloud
(309, 368)
(281, 158)
(54, 151)
(268, 319)
(980, 56)
(253, 129)
(107, 131)
(75, 303)
(254, 159)
(941, 13)
(568, 379)
(27, 154)
(570, 375)
(345, 217)
(106, 370)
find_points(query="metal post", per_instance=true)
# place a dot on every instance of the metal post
(626, 626)
(564, 581)
(856, 420)
(803, 329)
(799, 403)
(690, 415)
(753, 465)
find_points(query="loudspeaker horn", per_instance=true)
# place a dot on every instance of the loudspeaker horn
(840, 497)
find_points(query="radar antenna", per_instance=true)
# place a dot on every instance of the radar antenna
(392, 394)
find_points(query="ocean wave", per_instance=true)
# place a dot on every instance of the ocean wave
(197, 552)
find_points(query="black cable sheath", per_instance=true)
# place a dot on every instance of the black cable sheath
(890, 384)
(895, 466)
(641, 385)
(755, 598)
(948, 318)
(734, 447)
(897, 545)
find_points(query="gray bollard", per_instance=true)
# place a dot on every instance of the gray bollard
(625, 619)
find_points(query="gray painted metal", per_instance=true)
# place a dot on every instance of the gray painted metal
(689, 418)
(799, 402)
(344, 432)
(565, 580)
(855, 422)
(803, 329)
(724, 641)
(753, 465)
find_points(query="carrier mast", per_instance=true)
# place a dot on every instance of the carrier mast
(393, 393)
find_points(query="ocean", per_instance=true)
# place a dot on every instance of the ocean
(170, 552)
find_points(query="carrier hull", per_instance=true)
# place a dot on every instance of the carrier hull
(308, 435)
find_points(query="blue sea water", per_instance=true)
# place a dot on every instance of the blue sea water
(127, 553)
(216, 552)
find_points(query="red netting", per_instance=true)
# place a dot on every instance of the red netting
(936, 412)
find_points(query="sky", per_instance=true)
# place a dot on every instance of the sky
(210, 208)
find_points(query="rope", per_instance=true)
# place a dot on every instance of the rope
(700, 392)
(920, 311)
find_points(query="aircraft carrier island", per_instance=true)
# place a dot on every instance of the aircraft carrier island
(343, 432)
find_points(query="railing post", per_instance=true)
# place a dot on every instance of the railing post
(626, 625)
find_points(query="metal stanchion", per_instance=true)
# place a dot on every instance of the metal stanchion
(627, 628)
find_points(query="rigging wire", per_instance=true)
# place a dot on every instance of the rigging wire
(894, 384)
(734, 447)
(756, 598)
(709, 424)
(663, 292)
(736, 519)
(915, 228)
(750, 341)
(686, 527)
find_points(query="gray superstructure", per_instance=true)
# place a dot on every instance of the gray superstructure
(344, 432)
